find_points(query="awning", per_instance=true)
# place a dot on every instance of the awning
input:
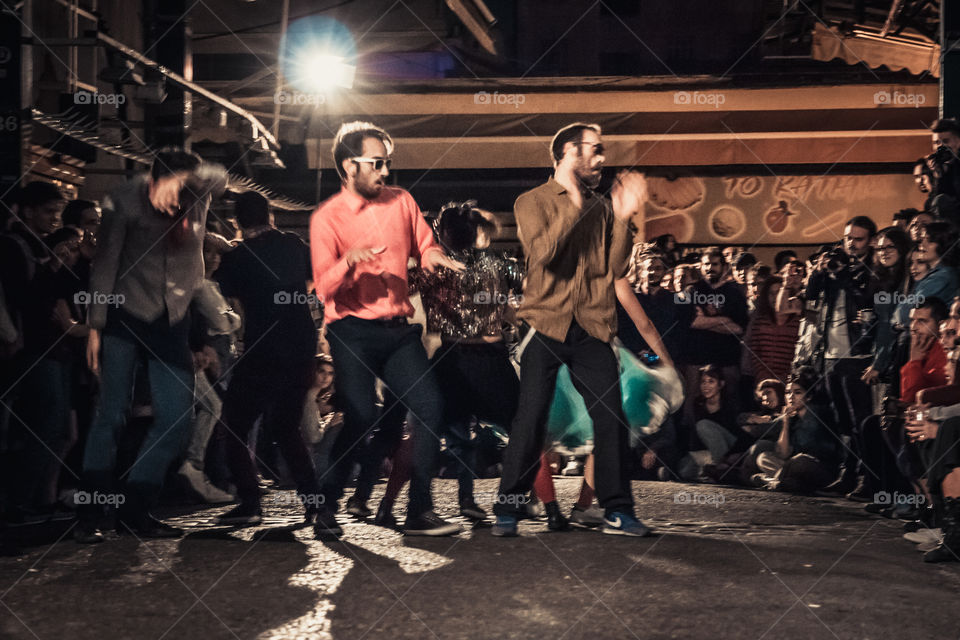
(865, 46)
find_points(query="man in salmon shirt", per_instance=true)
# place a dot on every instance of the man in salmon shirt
(360, 241)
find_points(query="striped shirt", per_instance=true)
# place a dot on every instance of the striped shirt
(771, 346)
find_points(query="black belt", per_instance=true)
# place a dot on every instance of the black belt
(395, 321)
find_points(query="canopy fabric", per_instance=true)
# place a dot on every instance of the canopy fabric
(865, 46)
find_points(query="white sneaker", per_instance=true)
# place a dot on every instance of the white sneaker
(924, 535)
(197, 482)
(573, 468)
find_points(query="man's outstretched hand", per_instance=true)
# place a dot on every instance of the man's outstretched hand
(628, 195)
(435, 259)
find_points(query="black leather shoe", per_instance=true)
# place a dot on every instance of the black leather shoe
(555, 519)
(358, 508)
(148, 527)
(326, 525)
(840, 487)
(472, 511)
(384, 517)
(430, 524)
(242, 515)
(86, 534)
(863, 492)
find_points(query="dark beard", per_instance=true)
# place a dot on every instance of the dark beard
(588, 182)
(369, 193)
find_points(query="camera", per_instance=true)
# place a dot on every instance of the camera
(837, 259)
(942, 155)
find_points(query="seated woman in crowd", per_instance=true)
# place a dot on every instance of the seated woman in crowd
(715, 423)
(759, 424)
(806, 455)
(770, 395)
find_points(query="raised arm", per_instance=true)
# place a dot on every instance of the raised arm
(641, 321)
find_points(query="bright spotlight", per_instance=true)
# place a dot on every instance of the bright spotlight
(319, 55)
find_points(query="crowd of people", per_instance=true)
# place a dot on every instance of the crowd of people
(151, 341)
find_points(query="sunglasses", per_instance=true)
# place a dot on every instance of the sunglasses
(598, 149)
(377, 163)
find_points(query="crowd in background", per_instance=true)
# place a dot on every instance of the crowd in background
(829, 371)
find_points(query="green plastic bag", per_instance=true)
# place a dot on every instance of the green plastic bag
(648, 395)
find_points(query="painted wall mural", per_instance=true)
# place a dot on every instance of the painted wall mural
(772, 209)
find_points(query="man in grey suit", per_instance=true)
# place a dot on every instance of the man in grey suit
(148, 265)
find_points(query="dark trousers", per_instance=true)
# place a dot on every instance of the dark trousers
(595, 374)
(879, 460)
(383, 444)
(364, 350)
(275, 390)
(852, 403)
(477, 381)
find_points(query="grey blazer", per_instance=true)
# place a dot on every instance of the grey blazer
(138, 265)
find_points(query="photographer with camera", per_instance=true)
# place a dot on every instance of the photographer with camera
(944, 167)
(841, 288)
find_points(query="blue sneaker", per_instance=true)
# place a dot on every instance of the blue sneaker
(505, 527)
(620, 523)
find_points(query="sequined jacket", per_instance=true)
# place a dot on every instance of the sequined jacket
(471, 303)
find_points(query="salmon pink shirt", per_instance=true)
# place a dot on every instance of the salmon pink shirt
(375, 289)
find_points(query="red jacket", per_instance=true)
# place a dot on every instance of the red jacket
(917, 375)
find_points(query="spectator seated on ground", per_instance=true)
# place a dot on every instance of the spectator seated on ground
(770, 395)
(807, 454)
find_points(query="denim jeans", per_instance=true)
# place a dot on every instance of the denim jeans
(364, 350)
(716, 438)
(171, 389)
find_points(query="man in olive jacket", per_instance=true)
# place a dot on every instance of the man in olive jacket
(576, 245)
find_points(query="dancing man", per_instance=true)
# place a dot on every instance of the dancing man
(361, 240)
(148, 265)
(576, 245)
